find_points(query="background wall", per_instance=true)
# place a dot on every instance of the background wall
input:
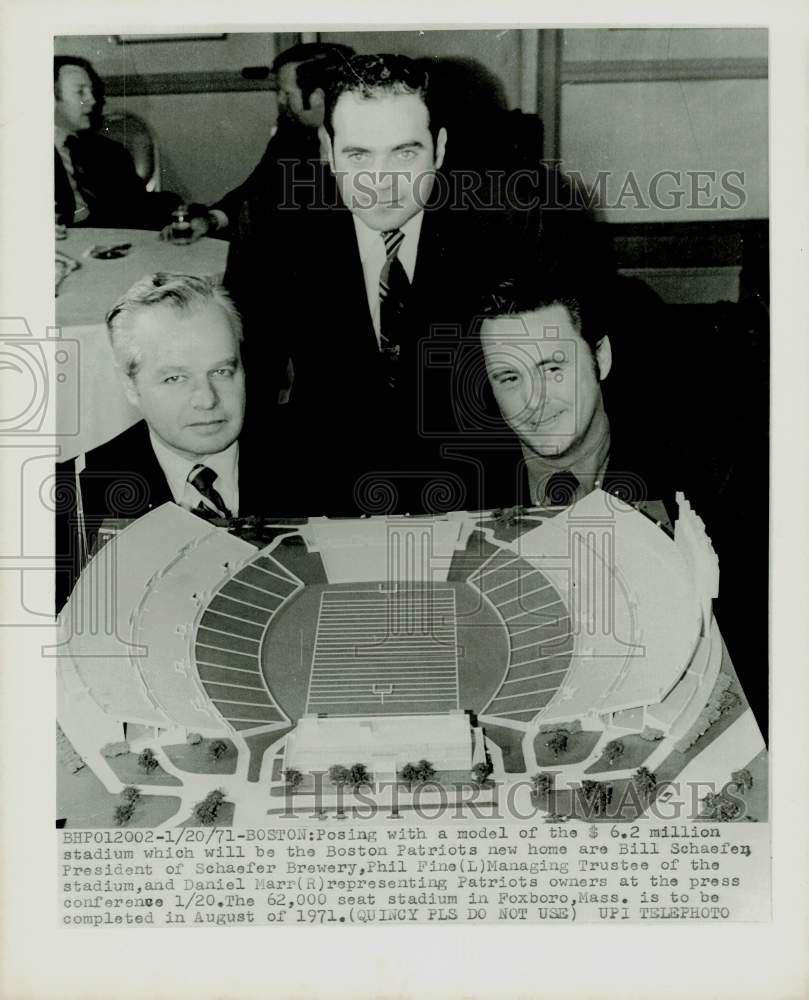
(677, 99)
(641, 100)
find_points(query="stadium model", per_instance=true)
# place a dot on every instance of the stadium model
(387, 640)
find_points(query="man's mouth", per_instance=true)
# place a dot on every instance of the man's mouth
(536, 425)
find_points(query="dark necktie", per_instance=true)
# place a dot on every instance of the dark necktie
(73, 146)
(202, 479)
(393, 292)
(560, 489)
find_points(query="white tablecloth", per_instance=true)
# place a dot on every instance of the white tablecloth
(83, 300)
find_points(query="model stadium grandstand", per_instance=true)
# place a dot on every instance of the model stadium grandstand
(389, 639)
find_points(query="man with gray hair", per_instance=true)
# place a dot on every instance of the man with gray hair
(176, 341)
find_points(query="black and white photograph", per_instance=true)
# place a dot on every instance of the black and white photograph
(402, 423)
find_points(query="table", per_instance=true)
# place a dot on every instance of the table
(84, 299)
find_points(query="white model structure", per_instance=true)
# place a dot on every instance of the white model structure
(385, 744)
(602, 618)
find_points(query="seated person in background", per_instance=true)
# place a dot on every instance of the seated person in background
(176, 341)
(95, 179)
(302, 74)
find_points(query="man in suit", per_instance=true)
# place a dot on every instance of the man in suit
(95, 182)
(548, 348)
(302, 74)
(176, 341)
(597, 387)
(356, 285)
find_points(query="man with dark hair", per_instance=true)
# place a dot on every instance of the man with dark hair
(302, 75)
(358, 286)
(651, 428)
(95, 179)
(548, 348)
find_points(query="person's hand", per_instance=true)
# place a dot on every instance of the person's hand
(200, 226)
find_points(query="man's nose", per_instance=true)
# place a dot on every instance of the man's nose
(535, 390)
(204, 395)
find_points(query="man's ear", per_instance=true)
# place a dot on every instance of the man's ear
(317, 99)
(440, 147)
(603, 356)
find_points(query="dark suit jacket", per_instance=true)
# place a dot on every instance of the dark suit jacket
(116, 195)
(302, 295)
(285, 160)
(123, 479)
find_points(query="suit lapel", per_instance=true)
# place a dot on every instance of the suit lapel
(354, 323)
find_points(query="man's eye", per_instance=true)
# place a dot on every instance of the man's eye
(506, 378)
(173, 379)
(223, 372)
(356, 157)
(407, 154)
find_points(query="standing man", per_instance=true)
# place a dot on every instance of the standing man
(356, 289)
(95, 179)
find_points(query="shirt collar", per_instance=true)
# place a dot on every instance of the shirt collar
(59, 136)
(176, 468)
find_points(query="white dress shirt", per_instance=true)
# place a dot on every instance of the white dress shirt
(176, 470)
(372, 254)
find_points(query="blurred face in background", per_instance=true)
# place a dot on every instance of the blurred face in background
(74, 99)
(291, 103)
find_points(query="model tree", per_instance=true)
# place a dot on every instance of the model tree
(410, 773)
(206, 811)
(743, 779)
(339, 774)
(481, 771)
(507, 517)
(124, 811)
(426, 771)
(293, 778)
(542, 783)
(358, 775)
(147, 760)
(557, 743)
(217, 749)
(720, 807)
(597, 795)
(613, 750)
(645, 782)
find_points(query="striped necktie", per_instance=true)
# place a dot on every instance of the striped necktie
(394, 288)
(202, 479)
